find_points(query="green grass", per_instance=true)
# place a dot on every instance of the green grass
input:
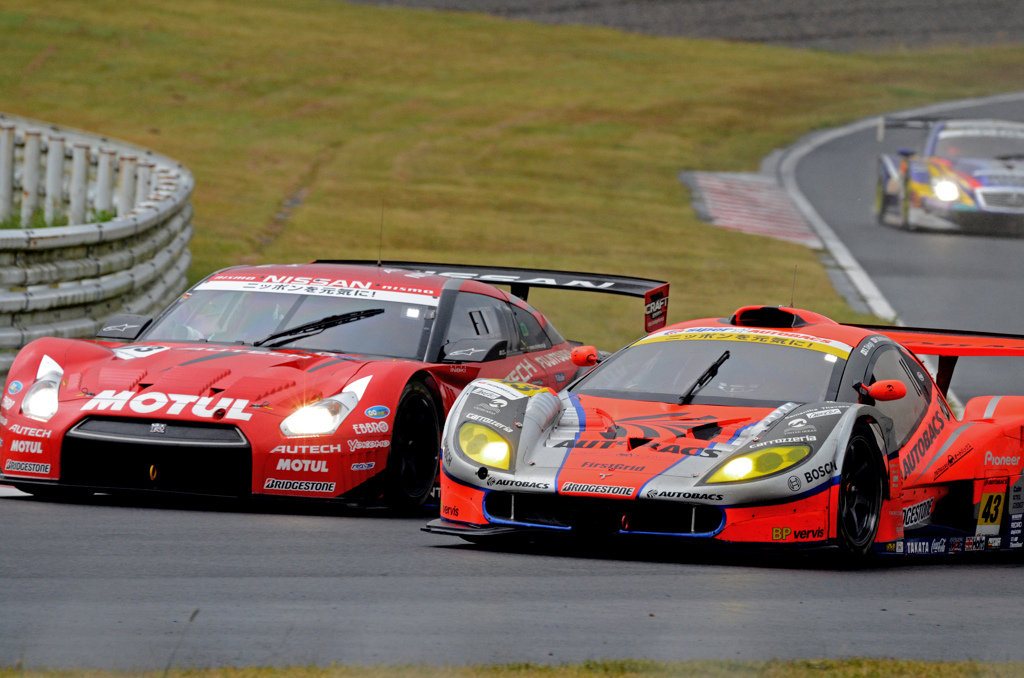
(484, 140)
(846, 668)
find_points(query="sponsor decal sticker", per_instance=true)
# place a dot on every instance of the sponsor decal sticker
(20, 430)
(30, 446)
(370, 427)
(787, 533)
(363, 466)
(993, 460)
(794, 483)
(917, 452)
(172, 404)
(322, 287)
(612, 467)
(452, 511)
(783, 441)
(974, 543)
(952, 459)
(487, 420)
(14, 387)
(354, 445)
(8, 403)
(751, 335)
(297, 485)
(307, 465)
(830, 412)
(307, 449)
(132, 352)
(667, 494)
(918, 514)
(917, 547)
(823, 471)
(549, 360)
(377, 412)
(613, 490)
(995, 543)
(509, 482)
(938, 545)
(26, 467)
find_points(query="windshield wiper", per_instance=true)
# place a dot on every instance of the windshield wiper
(702, 381)
(317, 326)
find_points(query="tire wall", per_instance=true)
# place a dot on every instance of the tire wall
(124, 248)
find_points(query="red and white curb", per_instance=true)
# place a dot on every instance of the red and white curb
(749, 203)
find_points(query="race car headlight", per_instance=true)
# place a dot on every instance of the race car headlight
(759, 464)
(320, 418)
(484, 446)
(40, 401)
(945, 190)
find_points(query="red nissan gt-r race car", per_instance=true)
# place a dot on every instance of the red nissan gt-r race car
(776, 427)
(321, 380)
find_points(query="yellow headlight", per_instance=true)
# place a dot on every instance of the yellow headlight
(760, 463)
(484, 445)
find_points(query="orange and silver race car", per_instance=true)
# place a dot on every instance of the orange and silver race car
(969, 175)
(773, 427)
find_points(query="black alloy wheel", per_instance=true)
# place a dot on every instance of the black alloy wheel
(415, 449)
(860, 494)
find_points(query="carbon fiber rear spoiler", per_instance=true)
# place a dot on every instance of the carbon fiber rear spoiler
(950, 345)
(654, 292)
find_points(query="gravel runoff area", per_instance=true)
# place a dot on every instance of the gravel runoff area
(839, 25)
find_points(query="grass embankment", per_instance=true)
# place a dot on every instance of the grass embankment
(848, 668)
(488, 141)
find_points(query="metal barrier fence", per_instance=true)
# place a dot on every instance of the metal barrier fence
(124, 248)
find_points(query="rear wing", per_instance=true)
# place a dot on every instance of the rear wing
(654, 292)
(949, 345)
(905, 123)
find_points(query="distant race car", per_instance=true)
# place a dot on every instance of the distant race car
(969, 175)
(321, 380)
(776, 427)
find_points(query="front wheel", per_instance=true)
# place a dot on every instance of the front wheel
(415, 449)
(861, 485)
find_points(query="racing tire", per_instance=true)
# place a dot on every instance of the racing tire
(415, 449)
(861, 488)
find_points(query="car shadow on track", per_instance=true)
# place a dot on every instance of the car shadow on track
(633, 549)
(261, 505)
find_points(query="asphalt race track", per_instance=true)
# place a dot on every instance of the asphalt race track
(944, 280)
(114, 585)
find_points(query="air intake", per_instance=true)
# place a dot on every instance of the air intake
(766, 316)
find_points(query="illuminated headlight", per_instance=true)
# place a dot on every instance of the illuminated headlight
(320, 418)
(40, 401)
(945, 190)
(484, 446)
(758, 464)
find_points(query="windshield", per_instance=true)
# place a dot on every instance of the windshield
(758, 371)
(979, 143)
(234, 316)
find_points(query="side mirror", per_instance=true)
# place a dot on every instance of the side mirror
(584, 356)
(475, 350)
(887, 389)
(906, 152)
(124, 327)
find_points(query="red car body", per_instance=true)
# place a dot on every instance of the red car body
(206, 397)
(804, 433)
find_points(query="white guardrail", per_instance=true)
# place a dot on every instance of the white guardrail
(124, 248)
